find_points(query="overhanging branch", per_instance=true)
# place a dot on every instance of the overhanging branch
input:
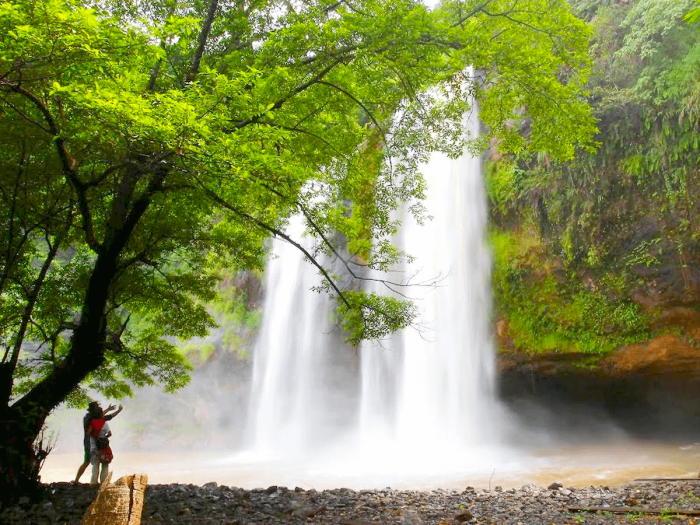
(277, 233)
(354, 99)
(67, 161)
(283, 100)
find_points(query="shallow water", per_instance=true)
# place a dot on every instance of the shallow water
(576, 466)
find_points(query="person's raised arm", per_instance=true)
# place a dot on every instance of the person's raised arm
(108, 417)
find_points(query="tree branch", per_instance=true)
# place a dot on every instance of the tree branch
(354, 99)
(203, 36)
(282, 101)
(67, 161)
(33, 295)
(277, 233)
(156, 68)
(346, 262)
(470, 14)
(24, 116)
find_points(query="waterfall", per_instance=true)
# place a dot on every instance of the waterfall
(302, 386)
(425, 393)
(435, 384)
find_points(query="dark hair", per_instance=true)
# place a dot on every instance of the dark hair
(94, 410)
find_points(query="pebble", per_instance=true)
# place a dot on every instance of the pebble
(216, 504)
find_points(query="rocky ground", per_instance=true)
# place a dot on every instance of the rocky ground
(641, 502)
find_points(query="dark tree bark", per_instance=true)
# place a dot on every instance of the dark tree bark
(543, 219)
(21, 424)
(202, 42)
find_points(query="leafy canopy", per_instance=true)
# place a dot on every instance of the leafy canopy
(148, 144)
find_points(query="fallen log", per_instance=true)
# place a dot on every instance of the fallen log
(636, 510)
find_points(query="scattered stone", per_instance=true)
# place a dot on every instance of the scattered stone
(464, 516)
(181, 504)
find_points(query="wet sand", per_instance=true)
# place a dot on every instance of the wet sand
(575, 466)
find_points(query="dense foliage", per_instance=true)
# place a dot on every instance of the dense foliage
(588, 250)
(146, 145)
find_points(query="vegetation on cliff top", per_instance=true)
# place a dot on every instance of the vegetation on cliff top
(588, 250)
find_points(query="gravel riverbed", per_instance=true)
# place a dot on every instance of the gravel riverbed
(214, 504)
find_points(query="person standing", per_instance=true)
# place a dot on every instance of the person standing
(100, 452)
(94, 411)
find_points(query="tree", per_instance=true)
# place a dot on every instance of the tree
(145, 143)
(693, 15)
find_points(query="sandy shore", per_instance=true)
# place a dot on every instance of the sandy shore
(577, 466)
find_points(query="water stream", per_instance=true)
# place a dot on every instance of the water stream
(427, 392)
(302, 387)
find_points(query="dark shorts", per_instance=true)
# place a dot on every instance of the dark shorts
(86, 457)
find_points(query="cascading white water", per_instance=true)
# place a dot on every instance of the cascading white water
(298, 386)
(426, 394)
(431, 389)
(423, 413)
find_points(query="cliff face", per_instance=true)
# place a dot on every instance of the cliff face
(649, 389)
(597, 260)
(676, 352)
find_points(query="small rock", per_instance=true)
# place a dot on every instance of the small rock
(555, 486)
(305, 512)
(464, 516)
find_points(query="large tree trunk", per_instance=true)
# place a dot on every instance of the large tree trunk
(16, 452)
(21, 424)
(20, 461)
